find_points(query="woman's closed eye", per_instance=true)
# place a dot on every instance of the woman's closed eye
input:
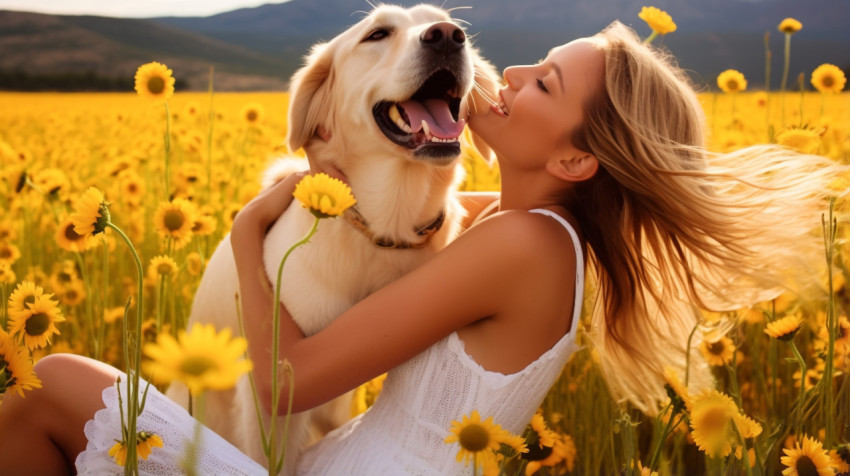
(542, 86)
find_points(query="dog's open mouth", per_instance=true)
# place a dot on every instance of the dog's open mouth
(428, 122)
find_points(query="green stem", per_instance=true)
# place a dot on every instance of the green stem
(167, 144)
(133, 407)
(829, 228)
(785, 74)
(651, 37)
(803, 370)
(688, 354)
(276, 349)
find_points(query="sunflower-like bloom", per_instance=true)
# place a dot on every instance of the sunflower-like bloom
(783, 329)
(9, 253)
(839, 462)
(712, 415)
(37, 325)
(731, 81)
(828, 78)
(324, 196)
(253, 113)
(7, 275)
(25, 293)
(68, 239)
(202, 359)
(676, 386)
(154, 80)
(162, 265)
(16, 374)
(175, 220)
(719, 352)
(801, 139)
(475, 437)
(91, 213)
(145, 443)
(539, 439)
(564, 451)
(806, 459)
(659, 20)
(789, 26)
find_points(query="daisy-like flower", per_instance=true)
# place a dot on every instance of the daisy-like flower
(539, 439)
(712, 415)
(789, 26)
(175, 220)
(719, 352)
(747, 427)
(7, 275)
(659, 20)
(204, 225)
(51, 181)
(68, 239)
(841, 459)
(562, 451)
(132, 187)
(23, 297)
(676, 386)
(9, 253)
(783, 329)
(72, 295)
(324, 196)
(91, 213)
(828, 78)
(194, 263)
(731, 81)
(16, 374)
(808, 459)
(202, 359)
(842, 336)
(801, 139)
(162, 265)
(37, 325)
(475, 437)
(154, 80)
(145, 443)
(253, 113)
(112, 314)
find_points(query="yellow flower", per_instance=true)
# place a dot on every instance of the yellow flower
(132, 187)
(162, 265)
(474, 436)
(562, 451)
(23, 297)
(539, 437)
(204, 225)
(202, 359)
(801, 139)
(783, 329)
(37, 325)
(7, 275)
(828, 78)
(324, 196)
(16, 374)
(145, 443)
(659, 20)
(789, 26)
(711, 416)
(838, 462)
(731, 81)
(747, 427)
(253, 113)
(175, 220)
(112, 314)
(9, 253)
(91, 213)
(68, 239)
(808, 459)
(50, 181)
(73, 294)
(676, 385)
(719, 352)
(154, 80)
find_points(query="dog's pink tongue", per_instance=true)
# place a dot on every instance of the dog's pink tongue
(436, 113)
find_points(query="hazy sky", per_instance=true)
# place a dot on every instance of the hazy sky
(130, 8)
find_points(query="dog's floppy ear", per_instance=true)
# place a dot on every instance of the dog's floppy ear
(484, 93)
(309, 101)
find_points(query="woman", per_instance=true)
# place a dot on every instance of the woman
(599, 146)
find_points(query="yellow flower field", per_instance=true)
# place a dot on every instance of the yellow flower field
(771, 395)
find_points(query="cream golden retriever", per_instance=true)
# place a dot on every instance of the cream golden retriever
(381, 102)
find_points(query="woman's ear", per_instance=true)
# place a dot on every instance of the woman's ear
(577, 168)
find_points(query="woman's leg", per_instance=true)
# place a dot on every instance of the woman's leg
(43, 432)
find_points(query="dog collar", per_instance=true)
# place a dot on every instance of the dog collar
(356, 220)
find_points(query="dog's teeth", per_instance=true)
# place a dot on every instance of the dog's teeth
(395, 116)
(425, 129)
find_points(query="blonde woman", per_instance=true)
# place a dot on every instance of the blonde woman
(601, 153)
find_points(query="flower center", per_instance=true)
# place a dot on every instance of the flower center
(714, 420)
(173, 220)
(732, 84)
(827, 81)
(156, 85)
(5, 253)
(70, 234)
(717, 348)
(474, 438)
(806, 467)
(71, 295)
(37, 324)
(251, 115)
(197, 365)
(163, 268)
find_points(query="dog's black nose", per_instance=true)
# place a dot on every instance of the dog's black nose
(443, 36)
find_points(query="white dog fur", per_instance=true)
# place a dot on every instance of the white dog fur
(382, 58)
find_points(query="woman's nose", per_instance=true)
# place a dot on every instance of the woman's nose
(513, 76)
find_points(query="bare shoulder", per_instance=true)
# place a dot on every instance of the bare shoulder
(520, 231)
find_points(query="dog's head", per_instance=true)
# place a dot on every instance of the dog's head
(395, 83)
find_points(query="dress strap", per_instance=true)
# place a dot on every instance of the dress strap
(579, 293)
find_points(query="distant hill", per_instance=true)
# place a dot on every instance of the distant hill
(259, 48)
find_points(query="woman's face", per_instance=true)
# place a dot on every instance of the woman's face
(541, 105)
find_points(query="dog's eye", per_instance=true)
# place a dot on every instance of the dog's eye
(378, 35)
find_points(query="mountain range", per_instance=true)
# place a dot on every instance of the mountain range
(259, 48)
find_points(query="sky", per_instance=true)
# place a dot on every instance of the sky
(130, 8)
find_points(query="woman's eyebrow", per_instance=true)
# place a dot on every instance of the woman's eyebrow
(560, 76)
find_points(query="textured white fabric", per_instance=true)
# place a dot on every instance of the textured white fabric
(161, 416)
(403, 433)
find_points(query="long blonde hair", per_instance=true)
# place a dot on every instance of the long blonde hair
(673, 229)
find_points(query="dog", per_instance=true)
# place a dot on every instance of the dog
(381, 103)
